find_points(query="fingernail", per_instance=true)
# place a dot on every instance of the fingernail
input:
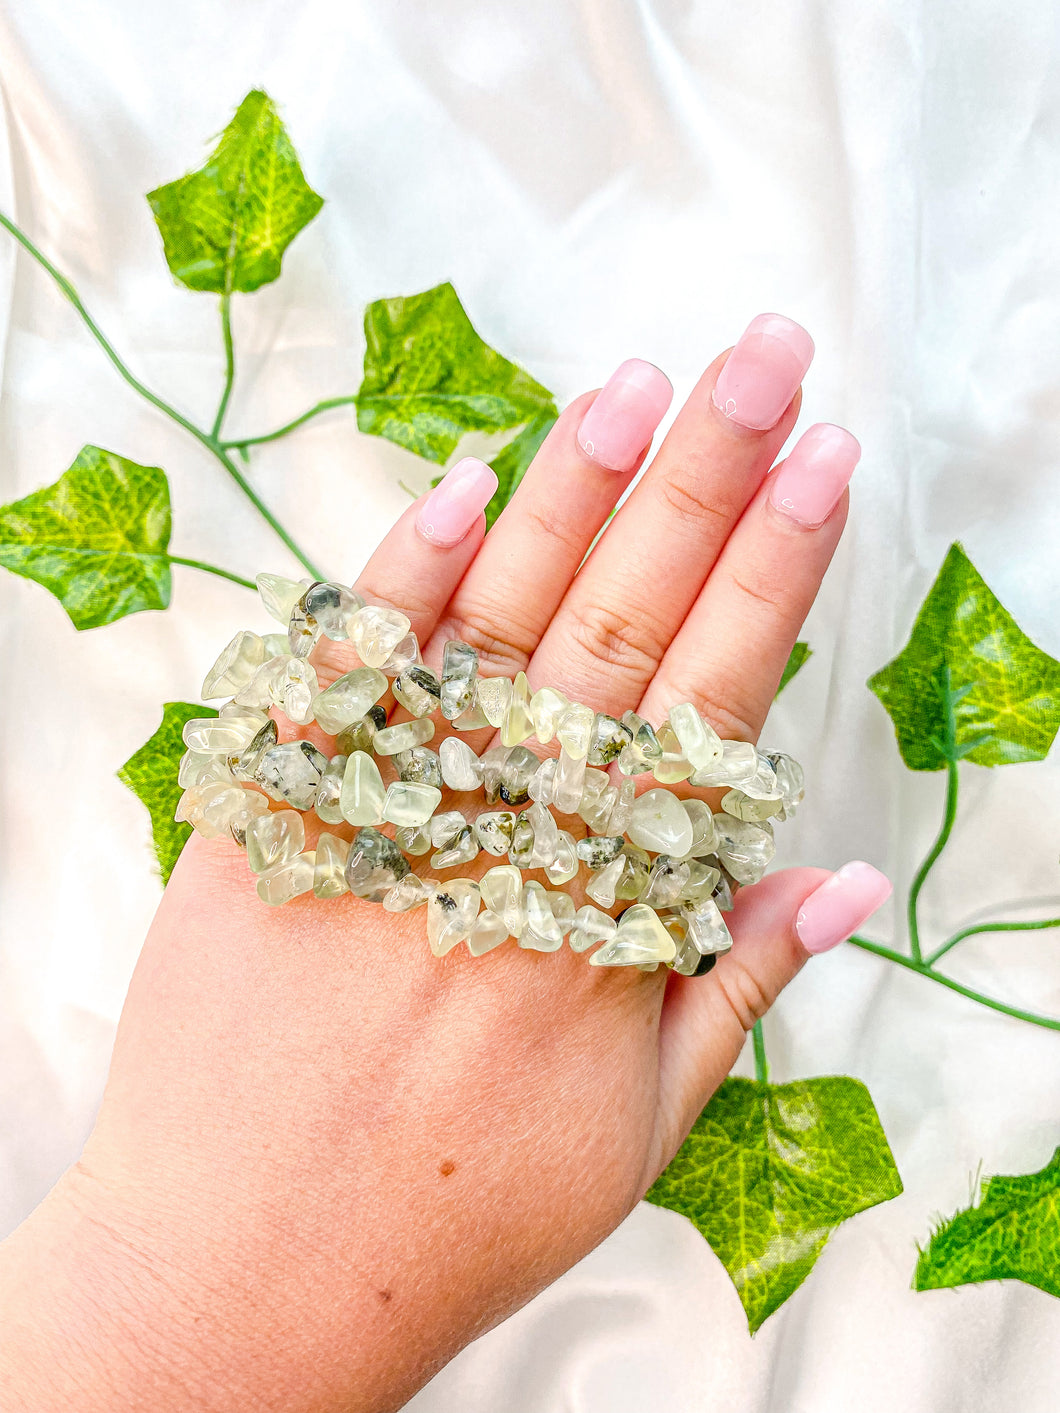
(625, 415)
(763, 371)
(456, 502)
(841, 904)
(808, 484)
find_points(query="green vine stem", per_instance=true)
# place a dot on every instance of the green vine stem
(1037, 925)
(230, 364)
(213, 569)
(206, 439)
(241, 443)
(761, 1063)
(929, 863)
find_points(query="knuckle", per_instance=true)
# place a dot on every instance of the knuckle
(412, 603)
(689, 495)
(743, 992)
(730, 711)
(505, 645)
(547, 522)
(613, 640)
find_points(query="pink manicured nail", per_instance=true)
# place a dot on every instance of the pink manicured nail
(623, 419)
(841, 904)
(456, 502)
(808, 484)
(763, 371)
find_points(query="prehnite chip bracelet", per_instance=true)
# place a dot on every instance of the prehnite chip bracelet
(673, 861)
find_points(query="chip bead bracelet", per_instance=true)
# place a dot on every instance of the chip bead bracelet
(674, 862)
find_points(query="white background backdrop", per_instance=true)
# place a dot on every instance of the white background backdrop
(600, 179)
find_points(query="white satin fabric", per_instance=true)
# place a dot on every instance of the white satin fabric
(600, 179)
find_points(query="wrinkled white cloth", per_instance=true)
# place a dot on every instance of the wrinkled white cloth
(600, 179)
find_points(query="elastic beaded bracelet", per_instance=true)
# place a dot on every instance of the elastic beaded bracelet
(674, 862)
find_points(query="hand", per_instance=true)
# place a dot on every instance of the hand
(326, 1160)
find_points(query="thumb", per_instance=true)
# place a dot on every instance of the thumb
(776, 927)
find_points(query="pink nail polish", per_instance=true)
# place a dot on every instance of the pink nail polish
(763, 371)
(456, 502)
(841, 904)
(625, 415)
(807, 486)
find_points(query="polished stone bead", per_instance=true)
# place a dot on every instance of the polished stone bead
(518, 724)
(285, 881)
(546, 835)
(723, 893)
(599, 850)
(746, 850)
(252, 807)
(408, 893)
(292, 771)
(591, 926)
(491, 763)
(502, 892)
(470, 720)
(521, 852)
(737, 766)
(542, 932)
(562, 905)
(487, 932)
(374, 865)
(262, 691)
(348, 698)
(459, 765)
(602, 884)
(274, 838)
(210, 734)
(296, 688)
(494, 830)
(418, 690)
(459, 669)
(302, 630)
(191, 808)
(409, 804)
(362, 794)
(666, 881)
(332, 606)
(235, 667)
(607, 739)
(199, 768)
(700, 743)
(358, 736)
(660, 824)
(279, 595)
(622, 810)
(419, 766)
(687, 958)
(451, 912)
(541, 785)
(702, 880)
(519, 766)
(492, 694)
(569, 782)
(446, 826)
(564, 865)
(547, 705)
(673, 765)
(741, 806)
(594, 783)
(244, 764)
(643, 751)
(414, 840)
(329, 792)
(790, 780)
(702, 821)
(404, 656)
(231, 804)
(706, 926)
(641, 939)
(462, 849)
(636, 866)
(574, 730)
(275, 645)
(402, 737)
(375, 632)
(329, 873)
(596, 811)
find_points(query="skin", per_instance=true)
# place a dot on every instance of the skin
(326, 1160)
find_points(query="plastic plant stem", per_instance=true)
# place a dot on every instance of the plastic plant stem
(213, 569)
(761, 1064)
(922, 969)
(230, 363)
(981, 927)
(932, 858)
(209, 442)
(242, 442)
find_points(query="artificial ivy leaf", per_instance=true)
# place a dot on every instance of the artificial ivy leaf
(797, 659)
(151, 774)
(510, 464)
(968, 655)
(1012, 1233)
(429, 378)
(767, 1172)
(97, 538)
(226, 226)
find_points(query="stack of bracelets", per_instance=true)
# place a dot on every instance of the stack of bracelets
(675, 861)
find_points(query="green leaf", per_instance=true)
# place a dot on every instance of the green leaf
(97, 538)
(429, 378)
(151, 774)
(511, 463)
(226, 226)
(797, 659)
(968, 654)
(769, 1170)
(1012, 1233)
